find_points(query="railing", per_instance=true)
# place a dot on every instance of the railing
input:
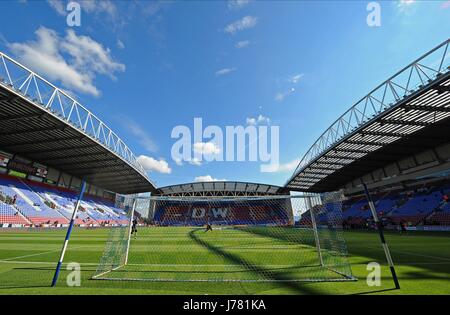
(407, 81)
(18, 78)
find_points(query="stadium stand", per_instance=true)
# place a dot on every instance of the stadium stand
(224, 212)
(185, 215)
(421, 205)
(236, 215)
(26, 203)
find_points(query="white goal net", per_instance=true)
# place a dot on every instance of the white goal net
(273, 238)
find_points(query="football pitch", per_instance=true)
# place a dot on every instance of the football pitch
(28, 259)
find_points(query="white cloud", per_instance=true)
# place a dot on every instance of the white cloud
(294, 79)
(237, 4)
(258, 120)
(99, 6)
(90, 55)
(403, 5)
(153, 8)
(245, 23)
(178, 162)
(224, 71)
(262, 119)
(143, 138)
(291, 81)
(206, 148)
(58, 6)
(152, 165)
(277, 168)
(251, 121)
(208, 178)
(107, 7)
(279, 97)
(195, 161)
(73, 60)
(242, 44)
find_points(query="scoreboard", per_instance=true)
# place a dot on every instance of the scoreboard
(21, 167)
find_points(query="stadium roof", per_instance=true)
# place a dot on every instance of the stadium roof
(45, 124)
(406, 114)
(220, 188)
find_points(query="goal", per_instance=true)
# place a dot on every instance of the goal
(248, 239)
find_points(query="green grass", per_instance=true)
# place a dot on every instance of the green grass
(246, 254)
(27, 261)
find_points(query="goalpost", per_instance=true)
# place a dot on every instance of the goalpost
(253, 239)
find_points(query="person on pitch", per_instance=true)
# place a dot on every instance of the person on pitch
(134, 228)
(208, 227)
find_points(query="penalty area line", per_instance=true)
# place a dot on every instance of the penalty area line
(37, 254)
(137, 265)
(40, 262)
(415, 254)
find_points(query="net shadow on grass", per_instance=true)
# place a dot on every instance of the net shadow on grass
(32, 277)
(306, 239)
(332, 257)
(25, 278)
(118, 271)
(263, 272)
(426, 276)
(374, 251)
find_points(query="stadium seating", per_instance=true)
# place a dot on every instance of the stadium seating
(9, 215)
(176, 214)
(423, 206)
(240, 216)
(440, 218)
(29, 203)
(173, 215)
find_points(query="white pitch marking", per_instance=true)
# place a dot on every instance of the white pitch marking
(39, 262)
(31, 255)
(415, 254)
(185, 265)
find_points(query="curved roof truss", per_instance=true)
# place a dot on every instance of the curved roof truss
(219, 189)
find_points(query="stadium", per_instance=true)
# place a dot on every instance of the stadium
(381, 167)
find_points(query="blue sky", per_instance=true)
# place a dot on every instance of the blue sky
(146, 67)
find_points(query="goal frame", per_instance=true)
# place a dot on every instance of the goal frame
(310, 200)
